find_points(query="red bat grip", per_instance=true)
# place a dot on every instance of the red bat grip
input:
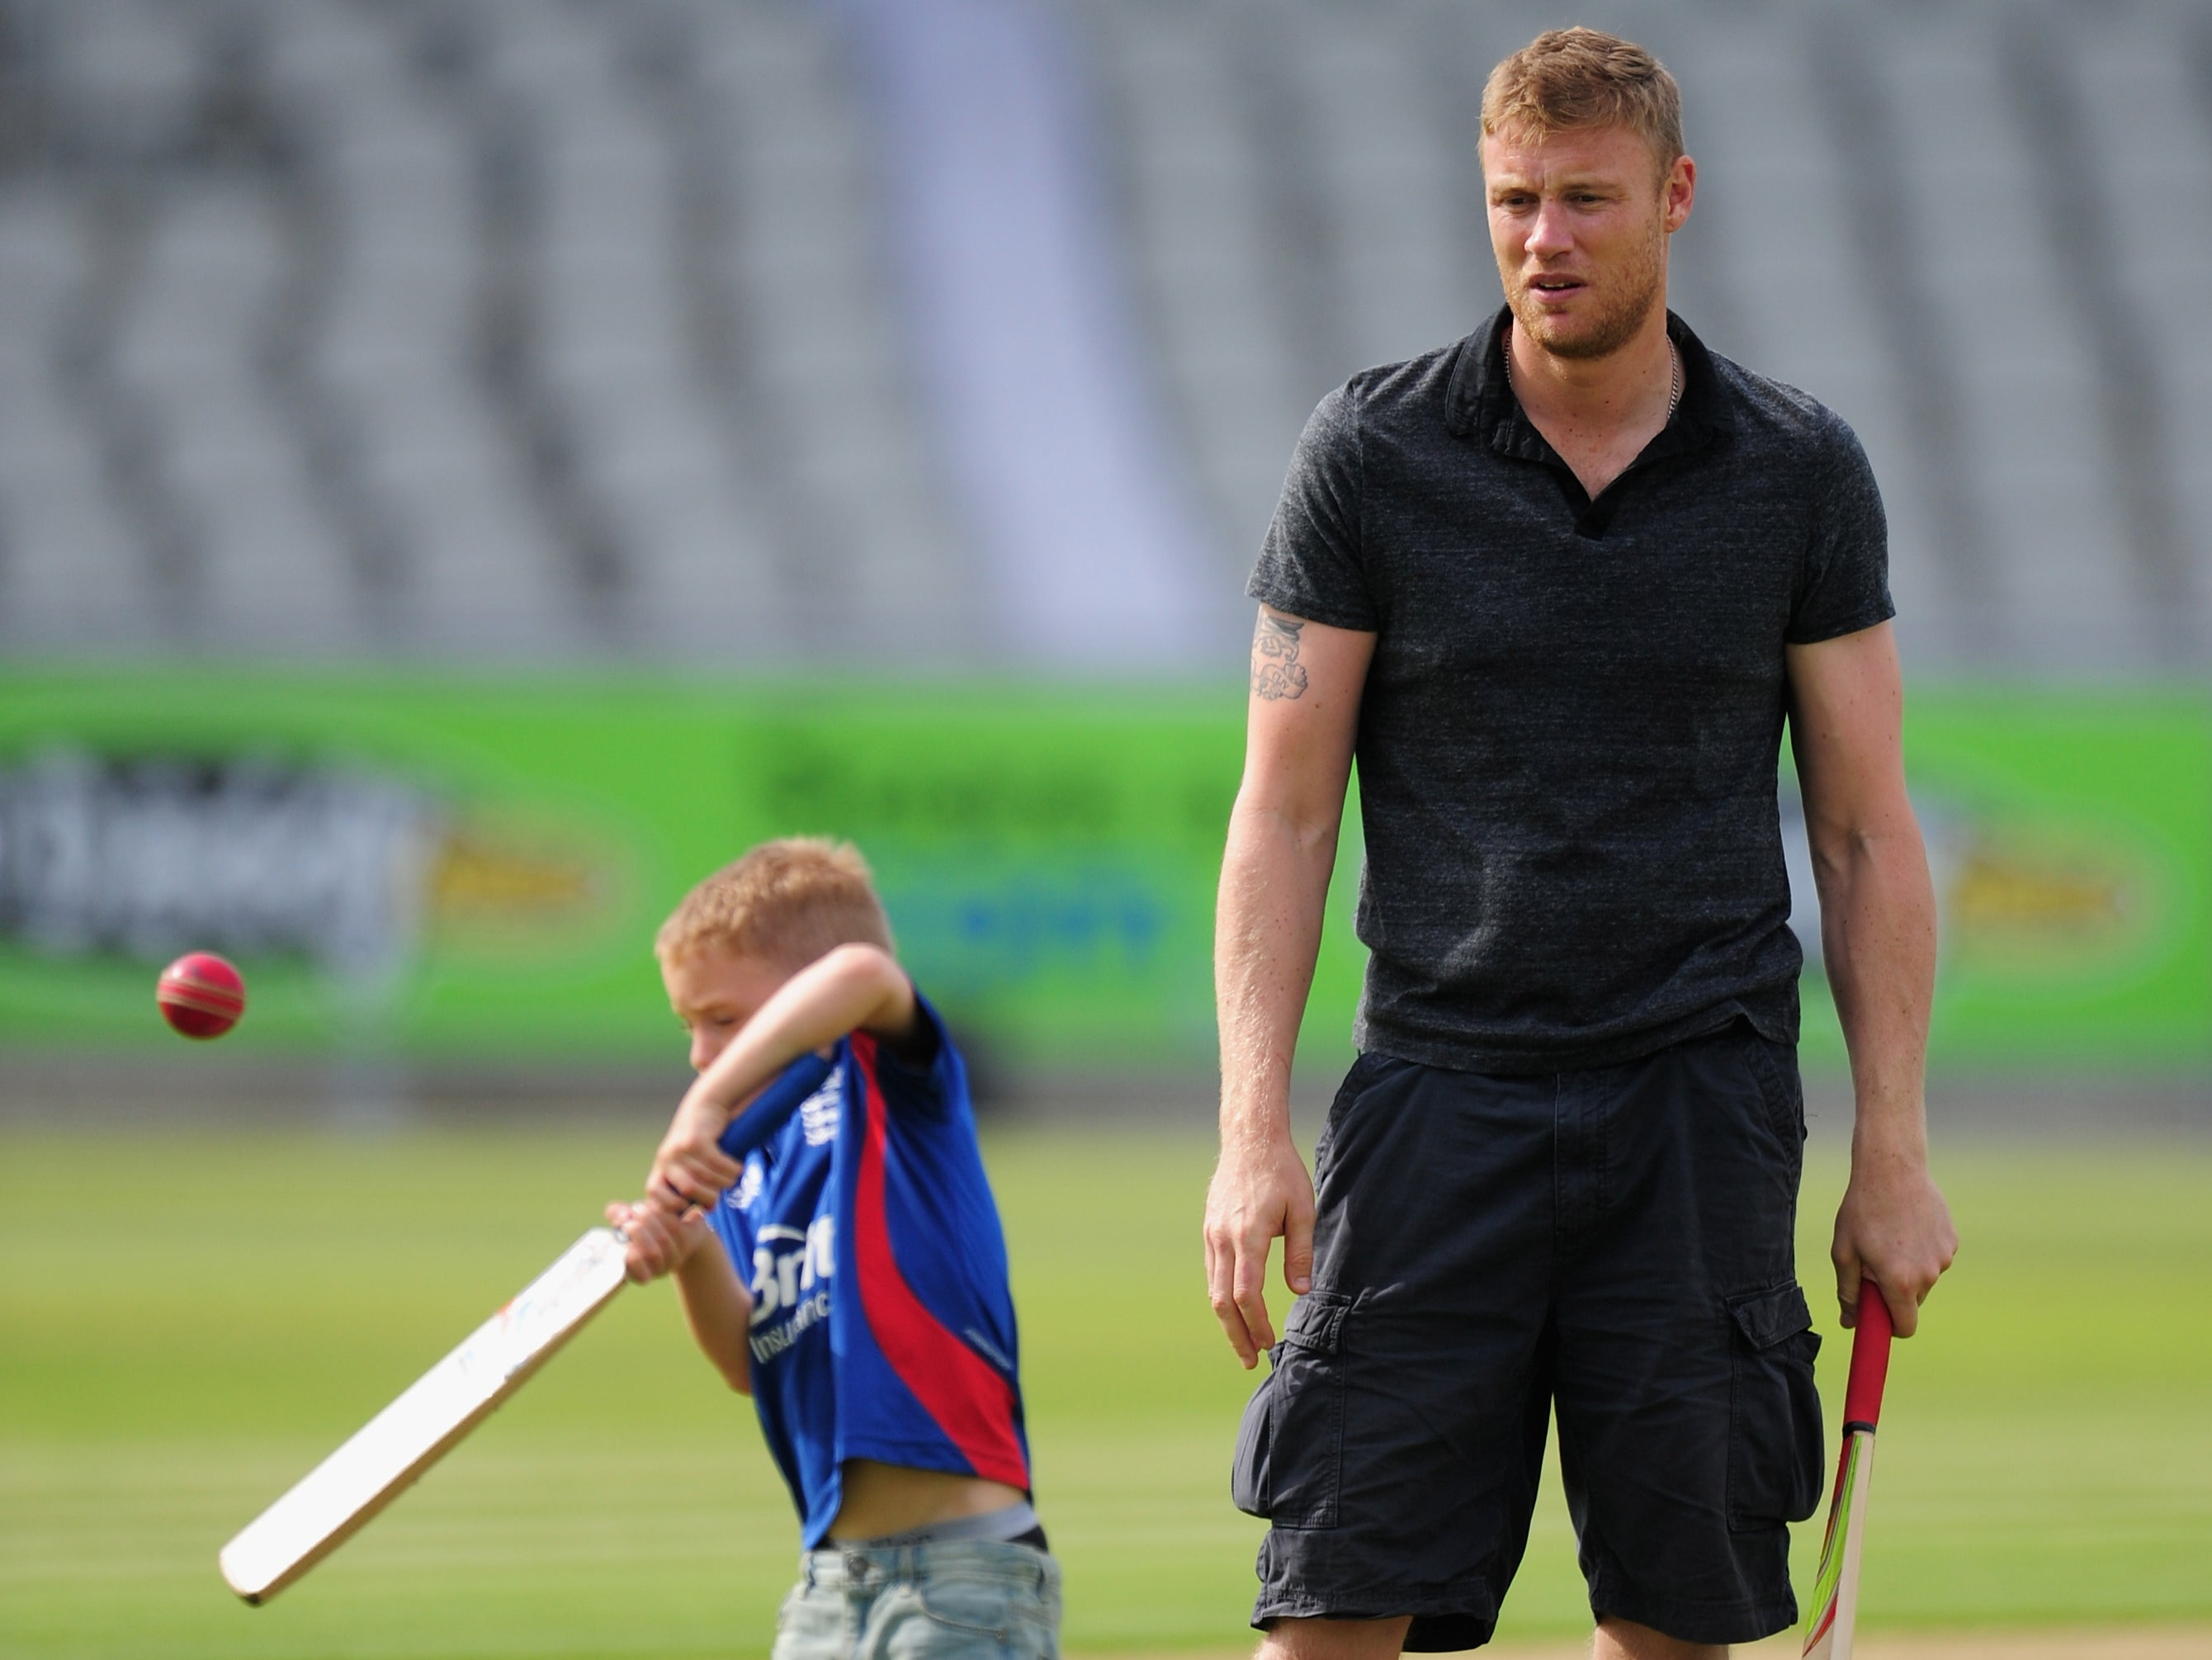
(1869, 1358)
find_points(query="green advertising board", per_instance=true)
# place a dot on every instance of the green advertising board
(2071, 835)
(448, 867)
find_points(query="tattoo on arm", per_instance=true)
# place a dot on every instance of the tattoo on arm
(1276, 671)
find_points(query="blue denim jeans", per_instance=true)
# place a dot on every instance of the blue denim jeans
(969, 1596)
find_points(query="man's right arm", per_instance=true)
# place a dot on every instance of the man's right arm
(1304, 716)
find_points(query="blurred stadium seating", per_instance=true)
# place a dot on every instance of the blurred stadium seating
(756, 332)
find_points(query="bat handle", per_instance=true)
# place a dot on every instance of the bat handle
(1869, 1359)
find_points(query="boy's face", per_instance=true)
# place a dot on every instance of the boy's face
(715, 992)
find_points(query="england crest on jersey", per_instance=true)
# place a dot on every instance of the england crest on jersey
(748, 1187)
(819, 1112)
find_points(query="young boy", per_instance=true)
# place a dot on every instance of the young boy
(843, 1264)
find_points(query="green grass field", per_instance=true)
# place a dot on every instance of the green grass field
(187, 1322)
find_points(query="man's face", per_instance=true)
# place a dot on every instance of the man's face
(715, 992)
(1579, 220)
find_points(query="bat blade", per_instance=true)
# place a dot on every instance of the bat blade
(1832, 1619)
(385, 1456)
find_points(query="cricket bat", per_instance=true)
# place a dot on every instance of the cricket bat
(385, 1456)
(1834, 1611)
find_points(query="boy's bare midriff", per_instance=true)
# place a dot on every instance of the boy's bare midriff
(884, 1498)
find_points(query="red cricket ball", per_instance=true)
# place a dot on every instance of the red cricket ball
(200, 994)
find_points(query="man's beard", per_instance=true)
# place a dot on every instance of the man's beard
(1639, 287)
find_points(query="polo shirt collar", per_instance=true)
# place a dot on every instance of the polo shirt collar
(1479, 403)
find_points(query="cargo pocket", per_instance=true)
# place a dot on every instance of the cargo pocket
(1774, 1410)
(1289, 1443)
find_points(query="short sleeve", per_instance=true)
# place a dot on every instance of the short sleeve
(934, 1078)
(1310, 565)
(769, 1112)
(1844, 586)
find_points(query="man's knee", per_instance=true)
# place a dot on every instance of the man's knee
(1624, 1639)
(1333, 1640)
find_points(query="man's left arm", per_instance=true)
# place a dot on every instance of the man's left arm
(1878, 938)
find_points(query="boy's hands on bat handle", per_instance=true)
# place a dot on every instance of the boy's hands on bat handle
(1893, 1228)
(1260, 1192)
(691, 1167)
(660, 1244)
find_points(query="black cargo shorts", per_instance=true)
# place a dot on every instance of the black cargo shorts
(1613, 1247)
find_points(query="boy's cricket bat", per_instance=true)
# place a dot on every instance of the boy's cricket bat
(335, 1498)
(1834, 1611)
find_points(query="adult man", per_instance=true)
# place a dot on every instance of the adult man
(1558, 587)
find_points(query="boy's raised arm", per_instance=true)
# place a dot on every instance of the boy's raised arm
(855, 987)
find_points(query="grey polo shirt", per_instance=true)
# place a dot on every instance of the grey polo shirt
(1569, 737)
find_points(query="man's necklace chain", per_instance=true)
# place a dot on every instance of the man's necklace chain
(1673, 383)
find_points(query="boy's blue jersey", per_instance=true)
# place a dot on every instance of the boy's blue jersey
(883, 1326)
